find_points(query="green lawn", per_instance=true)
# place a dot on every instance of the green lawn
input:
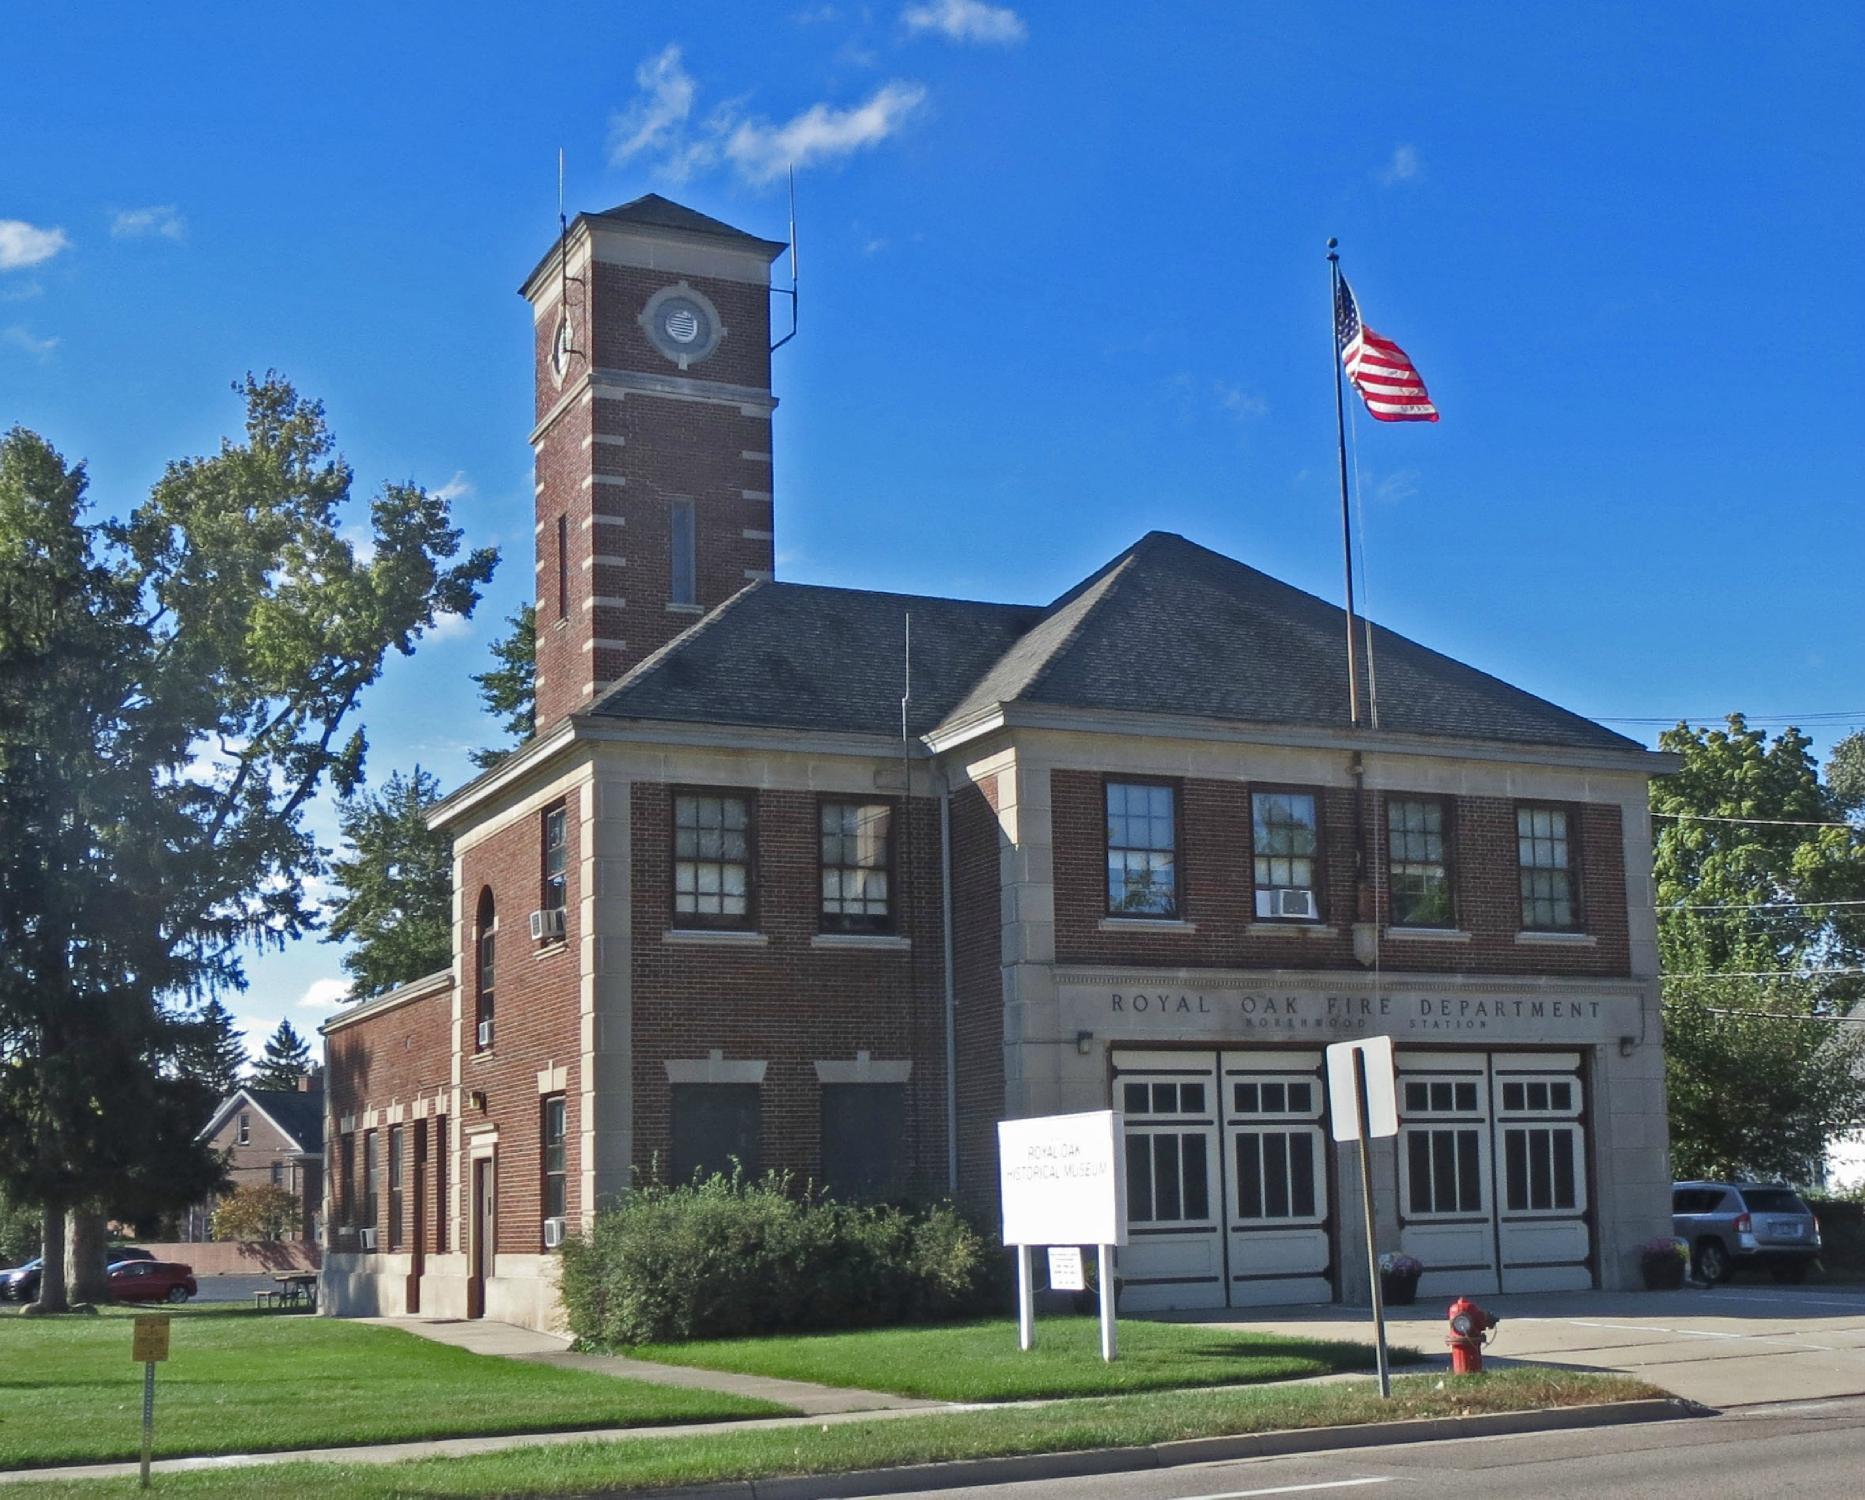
(239, 1382)
(650, 1463)
(980, 1361)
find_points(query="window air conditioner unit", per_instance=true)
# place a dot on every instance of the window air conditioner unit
(366, 1238)
(1293, 903)
(485, 1034)
(547, 923)
(553, 1233)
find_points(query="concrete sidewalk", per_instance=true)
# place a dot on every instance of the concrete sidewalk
(510, 1342)
(1739, 1344)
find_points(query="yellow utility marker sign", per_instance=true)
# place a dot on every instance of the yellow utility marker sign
(149, 1343)
(148, 1348)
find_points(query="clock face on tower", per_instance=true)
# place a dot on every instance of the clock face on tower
(683, 324)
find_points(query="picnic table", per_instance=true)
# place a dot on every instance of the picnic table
(293, 1287)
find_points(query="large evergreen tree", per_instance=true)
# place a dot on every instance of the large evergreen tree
(509, 688)
(1754, 868)
(174, 687)
(287, 1059)
(212, 1049)
(396, 910)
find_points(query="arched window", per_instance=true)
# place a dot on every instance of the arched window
(485, 934)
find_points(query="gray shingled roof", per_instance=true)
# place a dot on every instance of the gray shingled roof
(663, 213)
(800, 656)
(1168, 627)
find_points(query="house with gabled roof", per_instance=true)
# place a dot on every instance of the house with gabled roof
(833, 880)
(271, 1137)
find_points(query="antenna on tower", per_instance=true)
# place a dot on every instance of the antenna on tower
(792, 293)
(565, 343)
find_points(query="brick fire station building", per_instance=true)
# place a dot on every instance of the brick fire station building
(1129, 852)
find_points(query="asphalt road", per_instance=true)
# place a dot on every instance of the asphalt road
(233, 1288)
(1809, 1450)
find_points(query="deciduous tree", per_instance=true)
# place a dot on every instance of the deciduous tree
(174, 688)
(262, 1212)
(1754, 866)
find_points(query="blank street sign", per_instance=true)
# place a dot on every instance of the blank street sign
(1382, 1097)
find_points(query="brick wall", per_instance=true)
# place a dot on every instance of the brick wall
(536, 1023)
(1217, 888)
(785, 1001)
(396, 1057)
(977, 922)
(612, 466)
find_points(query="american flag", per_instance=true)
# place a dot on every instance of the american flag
(1380, 370)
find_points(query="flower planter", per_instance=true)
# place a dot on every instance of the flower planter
(1398, 1291)
(1665, 1275)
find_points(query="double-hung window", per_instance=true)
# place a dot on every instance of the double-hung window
(856, 845)
(1544, 848)
(1142, 850)
(556, 855)
(712, 853)
(556, 1165)
(395, 1187)
(1418, 862)
(1285, 831)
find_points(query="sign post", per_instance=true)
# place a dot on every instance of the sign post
(148, 1347)
(1363, 1103)
(1064, 1183)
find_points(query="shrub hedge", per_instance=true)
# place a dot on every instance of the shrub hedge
(727, 1256)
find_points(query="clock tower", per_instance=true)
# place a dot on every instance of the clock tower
(653, 437)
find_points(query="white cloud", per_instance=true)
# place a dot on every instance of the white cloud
(162, 219)
(1404, 166)
(1239, 402)
(449, 627)
(23, 244)
(967, 21)
(24, 338)
(25, 291)
(762, 152)
(657, 120)
(660, 126)
(1400, 484)
(456, 488)
(325, 994)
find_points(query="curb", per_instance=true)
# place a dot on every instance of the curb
(1023, 1468)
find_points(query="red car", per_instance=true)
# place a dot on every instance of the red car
(151, 1281)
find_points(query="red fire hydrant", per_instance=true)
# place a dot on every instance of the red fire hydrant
(1470, 1330)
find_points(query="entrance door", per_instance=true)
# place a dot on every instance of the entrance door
(1446, 1198)
(1542, 1229)
(1492, 1175)
(1275, 1157)
(1174, 1255)
(417, 1246)
(484, 1230)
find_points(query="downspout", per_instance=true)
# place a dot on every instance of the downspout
(951, 993)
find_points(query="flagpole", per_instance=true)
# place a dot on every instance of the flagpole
(1340, 436)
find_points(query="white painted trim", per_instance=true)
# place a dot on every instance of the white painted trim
(1426, 935)
(1557, 939)
(754, 494)
(714, 1068)
(603, 601)
(1145, 924)
(752, 534)
(605, 560)
(553, 1080)
(704, 937)
(864, 1069)
(884, 942)
(1285, 929)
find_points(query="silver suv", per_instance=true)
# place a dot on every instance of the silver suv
(1737, 1224)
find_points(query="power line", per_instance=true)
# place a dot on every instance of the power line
(1765, 822)
(1779, 1015)
(1755, 905)
(1821, 716)
(1763, 973)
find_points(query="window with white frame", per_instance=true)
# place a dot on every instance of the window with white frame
(1418, 863)
(856, 848)
(1142, 849)
(712, 836)
(1545, 854)
(1285, 842)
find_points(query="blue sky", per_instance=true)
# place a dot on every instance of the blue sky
(1064, 282)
